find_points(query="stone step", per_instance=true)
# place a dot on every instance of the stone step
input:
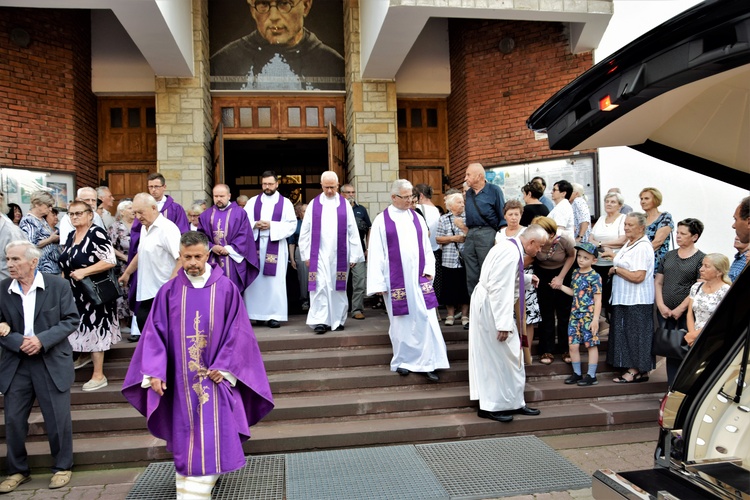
(375, 403)
(117, 449)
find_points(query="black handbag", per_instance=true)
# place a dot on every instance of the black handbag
(670, 343)
(101, 288)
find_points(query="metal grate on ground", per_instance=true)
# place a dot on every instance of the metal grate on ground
(392, 472)
(491, 468)
(156, 483)
(262, 478)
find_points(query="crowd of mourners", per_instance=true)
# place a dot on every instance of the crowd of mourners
(508, 271)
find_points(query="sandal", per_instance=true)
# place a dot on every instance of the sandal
(546, 358)
(566, 358)
(449, 321)
(635, 378)
(60, 479)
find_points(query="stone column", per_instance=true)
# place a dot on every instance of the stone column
(183, 122)
(371, 128)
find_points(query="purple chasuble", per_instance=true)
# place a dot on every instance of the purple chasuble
(399, 301)
(190, 331)
(231, 226)
(342, 242)
(272, 249)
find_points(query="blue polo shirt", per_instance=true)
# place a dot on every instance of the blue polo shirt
(490, 201)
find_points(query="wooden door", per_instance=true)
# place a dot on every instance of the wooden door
(218, 155)
(337, 153)
(128, 182)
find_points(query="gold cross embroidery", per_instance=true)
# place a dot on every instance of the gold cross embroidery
(199, 343)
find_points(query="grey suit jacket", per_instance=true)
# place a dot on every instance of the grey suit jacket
(55, 317)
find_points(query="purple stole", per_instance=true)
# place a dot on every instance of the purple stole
(399, 303)
(272, 249)
(521, 311)
(341, 245)
(219, 236)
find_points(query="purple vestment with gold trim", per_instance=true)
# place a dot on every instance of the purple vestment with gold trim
(190, 331)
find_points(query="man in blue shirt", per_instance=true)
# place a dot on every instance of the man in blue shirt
(484, 217)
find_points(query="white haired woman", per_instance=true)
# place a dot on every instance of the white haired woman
(35, 227)
(451, 234)
(119, 236)
(705, 296)
(632, 328)
(609, 236)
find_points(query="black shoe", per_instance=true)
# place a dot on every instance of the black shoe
(272, 323)
(573, 379)
(527, 411)
(587, 380)
(432, 377)
(498, 416)
(466, 326)
(320, 329)
(339, 328)
(402, 371)
(134, 338)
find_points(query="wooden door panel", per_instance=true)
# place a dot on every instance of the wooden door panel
(125, 181)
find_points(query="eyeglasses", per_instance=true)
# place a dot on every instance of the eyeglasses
(78, 214)
(156, 186)
(284, 6)
(347, 192)
(407, 197)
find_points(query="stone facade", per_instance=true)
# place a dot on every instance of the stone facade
(371, 128)
(183, 122)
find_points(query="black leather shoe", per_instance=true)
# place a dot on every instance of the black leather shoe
(498, 416)
(272, 323)
(527, 411)
(134, 338)
(339, 328)
(432, 376)
(402, 371)
(320, 329)
(466, 326)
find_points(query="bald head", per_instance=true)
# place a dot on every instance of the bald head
(222, 196)
(475, 176)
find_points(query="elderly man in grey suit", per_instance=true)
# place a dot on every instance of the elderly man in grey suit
(37, 313)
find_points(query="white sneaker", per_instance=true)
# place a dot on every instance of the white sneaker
(93, 385)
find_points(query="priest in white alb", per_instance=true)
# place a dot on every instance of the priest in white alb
(329, 244)
(400, 267)
(273, 221)
(496, 372)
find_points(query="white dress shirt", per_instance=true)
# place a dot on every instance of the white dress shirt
(28, 300)
(158, 251)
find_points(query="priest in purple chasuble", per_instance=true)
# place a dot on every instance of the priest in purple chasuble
(329, 243)
(400, 266)
(273, 221)
(496, 372)
(230, 238)
(170, 209)
(197, 374)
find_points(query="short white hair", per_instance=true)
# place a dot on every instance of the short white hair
(146, 198)
(329, 175)
(82, 190)
(534, 232)
(123, 205)
(31, 252)
(452, 198)
(400, 185)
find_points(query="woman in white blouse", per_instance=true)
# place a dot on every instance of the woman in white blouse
(632, 327)
(609, 236)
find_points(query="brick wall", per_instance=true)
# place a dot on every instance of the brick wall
(492, 94)
(47, 109)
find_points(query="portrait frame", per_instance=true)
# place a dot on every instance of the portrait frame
(25, 181)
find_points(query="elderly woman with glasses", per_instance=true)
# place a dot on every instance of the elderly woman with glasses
(87, 252)
(34, 225)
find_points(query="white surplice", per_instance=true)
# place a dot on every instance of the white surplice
(265, 298)
(496, 373)
(418, 343)
(329, 306)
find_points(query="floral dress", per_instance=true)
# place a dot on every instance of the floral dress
(664, 219)
(99, 329)
(37, 230)
(119, 235)
(704, 304)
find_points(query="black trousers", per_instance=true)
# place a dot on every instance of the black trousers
(33, 381)
(553, 305)
(141, 315)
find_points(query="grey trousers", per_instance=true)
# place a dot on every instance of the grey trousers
(478, 243)
(359, 286)
(301, 276)
(33, 381)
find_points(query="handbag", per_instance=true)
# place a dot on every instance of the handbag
(101, 288)
(670, 343)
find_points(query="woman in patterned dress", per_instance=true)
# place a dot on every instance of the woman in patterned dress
(88, 251)
(705, 296)
(659, 225)
(119, 236)
(35, 227)
(451, 236)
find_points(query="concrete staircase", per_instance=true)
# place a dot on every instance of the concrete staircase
(336, 390)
